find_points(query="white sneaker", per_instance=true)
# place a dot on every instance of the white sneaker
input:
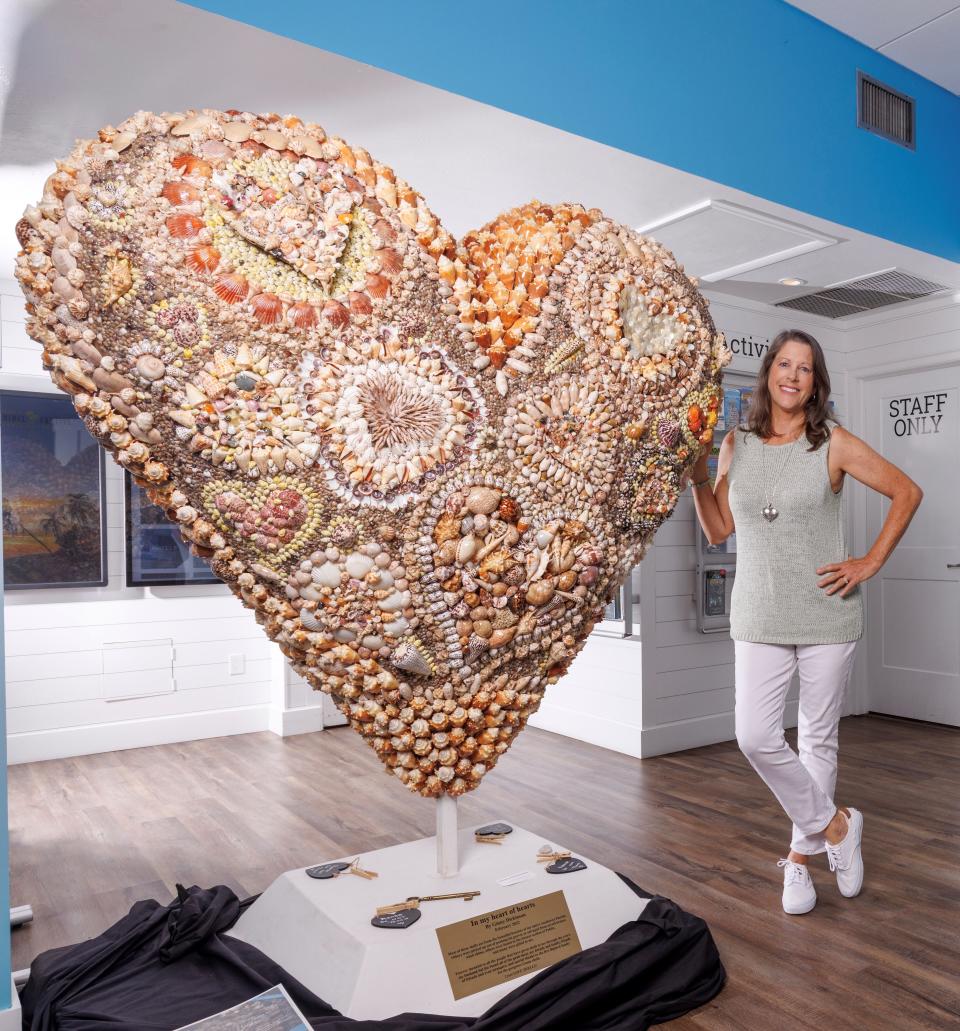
(846, 859)
(799, 894)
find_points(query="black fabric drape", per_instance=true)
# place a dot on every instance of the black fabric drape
(161, 967)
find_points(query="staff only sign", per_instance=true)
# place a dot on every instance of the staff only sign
(917, 415)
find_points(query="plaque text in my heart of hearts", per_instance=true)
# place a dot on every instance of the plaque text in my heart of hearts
(425, 463)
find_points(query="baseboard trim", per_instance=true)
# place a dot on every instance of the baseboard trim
(585, 726)
(695, 733)
(304, 720)
(66, 742)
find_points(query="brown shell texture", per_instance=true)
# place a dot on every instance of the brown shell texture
(426, 464)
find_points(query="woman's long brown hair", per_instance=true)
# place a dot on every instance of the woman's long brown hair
(759, 419)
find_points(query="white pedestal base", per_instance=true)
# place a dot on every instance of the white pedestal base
(320, 931)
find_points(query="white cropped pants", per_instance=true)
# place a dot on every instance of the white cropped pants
(804, 783)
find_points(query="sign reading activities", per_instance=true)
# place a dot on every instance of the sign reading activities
(496, 947)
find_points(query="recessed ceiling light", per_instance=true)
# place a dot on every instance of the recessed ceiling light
(792, 281)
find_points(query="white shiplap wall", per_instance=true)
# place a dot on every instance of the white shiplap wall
(905, 340)
(174, 647)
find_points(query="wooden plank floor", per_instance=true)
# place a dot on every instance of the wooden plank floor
(90, 836)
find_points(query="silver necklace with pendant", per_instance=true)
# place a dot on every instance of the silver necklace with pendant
(769, 511)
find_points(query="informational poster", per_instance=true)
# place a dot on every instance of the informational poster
(493, 948)
(156, 553)
(272, 1010)
(54, 505)
(715, 592)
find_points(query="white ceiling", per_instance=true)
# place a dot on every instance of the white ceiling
(82, 64)
(923, 35)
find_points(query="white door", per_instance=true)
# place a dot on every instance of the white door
(913, 604)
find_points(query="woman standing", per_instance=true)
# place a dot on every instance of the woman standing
(796, 602)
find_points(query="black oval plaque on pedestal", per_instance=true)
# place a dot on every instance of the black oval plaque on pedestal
(400, 920)
(327, 870)
(494, 828)
(567, 866)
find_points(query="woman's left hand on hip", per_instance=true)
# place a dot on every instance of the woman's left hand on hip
(844, 576)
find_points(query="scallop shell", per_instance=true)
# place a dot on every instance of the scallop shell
(190, 164)
(377, 286)
(184, 226)
(384, 230)
(360, 303)
(303, 315)
(390, 261)
(268, 308)
(203, 259)
(336, 314)
(231, 288)
(180, 193)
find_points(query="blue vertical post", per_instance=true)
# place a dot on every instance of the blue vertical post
(5, 971)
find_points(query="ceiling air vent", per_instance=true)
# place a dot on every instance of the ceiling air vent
(892, 286)
(885, 111)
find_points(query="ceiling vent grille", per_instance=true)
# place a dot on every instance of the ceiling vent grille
(892, 286)
(885, 111)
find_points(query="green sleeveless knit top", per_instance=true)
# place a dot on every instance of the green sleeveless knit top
(775, 597)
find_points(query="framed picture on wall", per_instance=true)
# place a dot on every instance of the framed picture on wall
(157, 556)
(54, 504)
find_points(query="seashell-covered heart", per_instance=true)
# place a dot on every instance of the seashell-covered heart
(425, 463)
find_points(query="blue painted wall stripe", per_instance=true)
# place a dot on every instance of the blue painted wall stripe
(754, 94)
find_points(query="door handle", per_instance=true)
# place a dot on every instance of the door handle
(953, 565)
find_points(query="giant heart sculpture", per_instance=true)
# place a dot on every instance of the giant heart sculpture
(425, 464)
